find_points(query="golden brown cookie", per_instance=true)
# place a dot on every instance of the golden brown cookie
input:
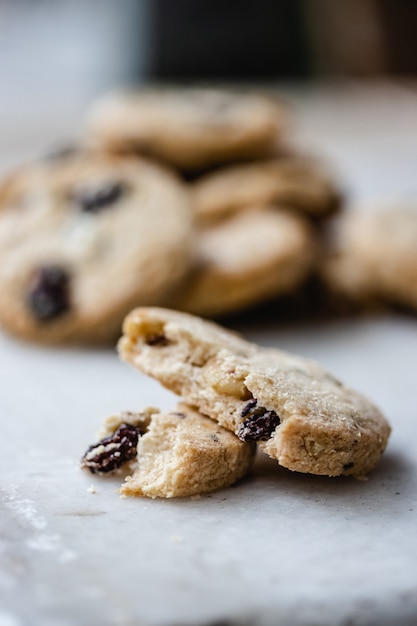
(85, 237)
(298, 413)
(190, 128)
(169, 454)
(245, 259)
(374, 256)
(293, 182)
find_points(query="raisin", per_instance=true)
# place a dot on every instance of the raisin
(156, 340)
(113, 451)
(260, 422)
(49, 293)
(348, 466)
(95, 198)
(248, 407)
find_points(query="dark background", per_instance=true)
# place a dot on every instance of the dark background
(57, 56)
(270, 39)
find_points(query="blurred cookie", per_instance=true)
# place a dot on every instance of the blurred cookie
(169, 454)
(298, 413)
(247, 258)
(85, 237)
(294, 182)
(375, 256)
(190, 128)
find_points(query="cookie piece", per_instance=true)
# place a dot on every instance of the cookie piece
(83, 239)
(375, 256)
(190, 128)
(247, 258)
(294, 182)
(298, 413)
(170, 454)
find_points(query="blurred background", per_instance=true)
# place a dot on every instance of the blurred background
(64, 52)
(58, 55)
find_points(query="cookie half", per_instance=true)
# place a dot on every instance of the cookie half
(189, 128)
(169, 454)
(294, 182)
(83, 239)
(298, 413)
(247, 258)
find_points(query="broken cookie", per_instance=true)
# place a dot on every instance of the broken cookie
(298, 413)
(169, 454)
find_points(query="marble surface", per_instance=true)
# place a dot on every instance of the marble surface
(278, 548)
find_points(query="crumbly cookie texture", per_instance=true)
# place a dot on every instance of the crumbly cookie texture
(294, 182)
(298, 413)
(176, 453)
(375, 256)
(247, 258)
(84, 237)
(190, 128)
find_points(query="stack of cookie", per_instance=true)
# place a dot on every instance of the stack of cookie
(252, 199)
(235, 395)
(183, 198)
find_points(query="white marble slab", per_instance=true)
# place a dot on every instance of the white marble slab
(279, 548)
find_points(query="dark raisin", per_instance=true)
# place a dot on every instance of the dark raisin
(260, 422)
(348, 466)
(96, 197)
(156, 340)
(248, 407)
(112, 452)
(180, 415)
(49, 293)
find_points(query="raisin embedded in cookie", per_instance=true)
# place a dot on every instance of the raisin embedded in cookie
(294, 182)
(84, 238)
(190, 128)
(243, 260)
(169, 454)
(298, 413)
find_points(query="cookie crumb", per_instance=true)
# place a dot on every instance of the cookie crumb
(196, 497)
(176, 539)
(91, 489)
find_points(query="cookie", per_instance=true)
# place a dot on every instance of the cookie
(295, 182)
(375, 256)
(189, 128)
(245, 259)
(169, 454)
(298, 413)
(83, 239)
